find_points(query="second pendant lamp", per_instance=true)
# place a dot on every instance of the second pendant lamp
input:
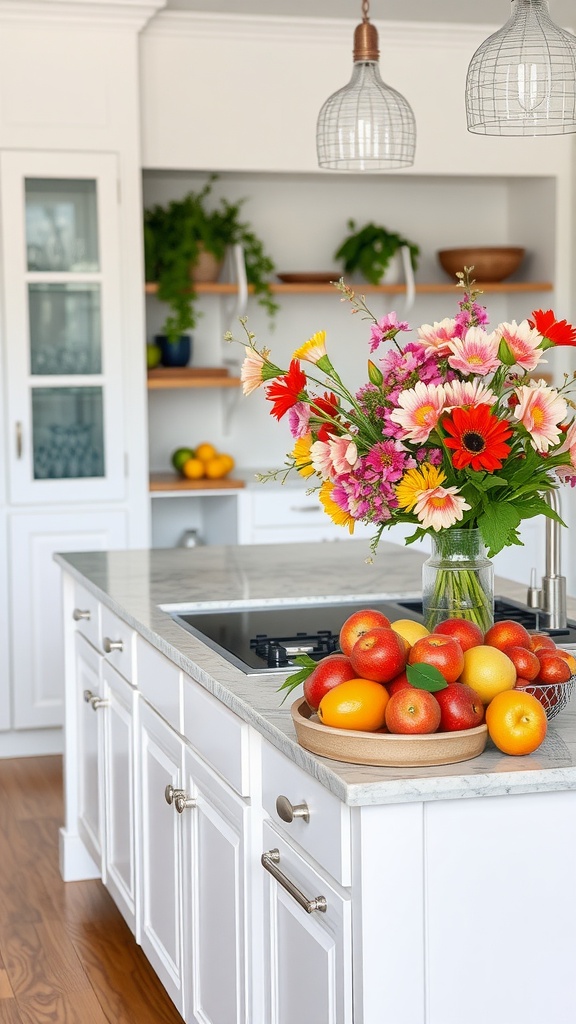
(367, 125)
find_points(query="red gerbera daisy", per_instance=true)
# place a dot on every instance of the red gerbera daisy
(329, 406)
(477, 437)
(555, 332)
(285, 391)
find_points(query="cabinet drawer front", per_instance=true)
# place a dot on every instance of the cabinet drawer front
(118, 643)
(218, 735)
(86, 614)
(159, 681)
(291, 507)
(326, 834)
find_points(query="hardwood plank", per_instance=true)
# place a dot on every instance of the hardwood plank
(6, 990)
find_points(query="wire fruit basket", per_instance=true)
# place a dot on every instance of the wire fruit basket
(553, 696)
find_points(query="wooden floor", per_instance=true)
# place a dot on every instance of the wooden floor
(66, 954)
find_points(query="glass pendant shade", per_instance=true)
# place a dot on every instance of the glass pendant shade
(522, 79)
(367, 125)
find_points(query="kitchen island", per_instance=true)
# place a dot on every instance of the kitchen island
(439, 883)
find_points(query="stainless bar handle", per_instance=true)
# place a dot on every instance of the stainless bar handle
(112, 645)
(269, 861)
(19, 444)
(288, 811)
(80, 613)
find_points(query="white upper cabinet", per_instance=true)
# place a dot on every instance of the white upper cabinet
(62, 327)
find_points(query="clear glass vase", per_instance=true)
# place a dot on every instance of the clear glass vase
(458, 579)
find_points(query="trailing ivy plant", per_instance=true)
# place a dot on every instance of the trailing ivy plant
(173, 238)
(370, 250)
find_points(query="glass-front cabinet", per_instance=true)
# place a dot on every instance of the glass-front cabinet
(60, 250)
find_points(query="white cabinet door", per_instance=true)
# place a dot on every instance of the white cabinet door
(36, 604)
(62, 324)
(119, 872)
(88, 739)
(161, 752)
(308, 958)
(216, 954)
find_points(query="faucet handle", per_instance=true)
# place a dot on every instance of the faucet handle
(534, 595)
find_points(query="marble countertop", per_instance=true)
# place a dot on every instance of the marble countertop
(138, 584)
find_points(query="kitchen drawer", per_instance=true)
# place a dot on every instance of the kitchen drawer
(159, 681)
(326, 834)
(218, 735)
(289, 507)
(86, 614)
(118, 643)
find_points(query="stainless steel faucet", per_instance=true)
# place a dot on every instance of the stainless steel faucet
(550, 599)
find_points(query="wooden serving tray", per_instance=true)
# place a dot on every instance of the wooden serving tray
(384, 749)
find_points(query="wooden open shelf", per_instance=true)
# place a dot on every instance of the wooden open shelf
(191, 377)
(435, 288)
(175, 482)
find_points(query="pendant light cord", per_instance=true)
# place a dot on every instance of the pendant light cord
(365, 10)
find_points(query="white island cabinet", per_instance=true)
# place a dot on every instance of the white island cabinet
(270, 886)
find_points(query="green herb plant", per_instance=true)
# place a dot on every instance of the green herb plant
(371, 249)
(174, 236)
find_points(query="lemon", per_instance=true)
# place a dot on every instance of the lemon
(205, 451)
(488, 671)
(193, 469)
(409, 630)
(180, 456)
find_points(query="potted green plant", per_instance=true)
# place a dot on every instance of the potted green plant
(371, 249)
(176, 235)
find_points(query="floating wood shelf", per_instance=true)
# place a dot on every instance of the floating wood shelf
(435, 288)
(191, 377)
(175, 482)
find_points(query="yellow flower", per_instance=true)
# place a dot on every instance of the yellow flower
(314, 351)
(414, 481)
(301, 455)
(337, 514)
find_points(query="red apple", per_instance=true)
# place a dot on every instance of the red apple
(331, 670)
(538, 640)
(399, 682)
(359, 623)
(553, 669)
(468, 634)
(507, 633)
(525, 662)
(444, 652)
(379, 654)
(460, 707)
(413, 711)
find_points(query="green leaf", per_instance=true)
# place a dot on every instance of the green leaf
(497, 524)
(425, 677)
(291, 682)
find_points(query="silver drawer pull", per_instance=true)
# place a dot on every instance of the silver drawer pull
(19, 444)
(80, 613)
(288, 811)
(112, 645)
(305, 508)
(94, 701)
(270, 861)
(181, 802)
(170, 794)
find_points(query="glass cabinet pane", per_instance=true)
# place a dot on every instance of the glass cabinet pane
(67, 432)
(61, 225)
(65, 328)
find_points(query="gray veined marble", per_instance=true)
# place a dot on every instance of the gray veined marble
(136, 585)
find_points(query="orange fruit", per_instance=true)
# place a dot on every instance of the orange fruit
(193, 469)
(228, 460)
(215, 468)
(516, 722)
(488, 671)
(205, 451)
(356, 704)
(567, 657)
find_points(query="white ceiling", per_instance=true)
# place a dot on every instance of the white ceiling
(482, 12)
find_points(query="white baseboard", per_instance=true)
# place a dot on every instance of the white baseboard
(76, 864)
(31, 742)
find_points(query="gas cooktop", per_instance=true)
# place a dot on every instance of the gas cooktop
(258, 640)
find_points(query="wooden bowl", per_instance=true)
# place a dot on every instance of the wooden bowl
(385, 749)
(490, 264)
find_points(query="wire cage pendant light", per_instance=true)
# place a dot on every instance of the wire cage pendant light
(522, 79)
(367, 125)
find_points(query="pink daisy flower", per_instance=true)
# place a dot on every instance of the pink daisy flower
(419, 410)
(440, 507)
(251, 373)
(387, 460)
(437, 336)
(335, 457)
(299, 419)
(476, 352)
(569, 445)
(388, 327)
(540, 409)
(523, 341)
(467, 393)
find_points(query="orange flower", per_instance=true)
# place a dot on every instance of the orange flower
(477, 437)
(555, 332)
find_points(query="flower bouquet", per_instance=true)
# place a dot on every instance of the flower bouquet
(453, 432)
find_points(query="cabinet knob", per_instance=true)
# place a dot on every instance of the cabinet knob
(112, 645)
(94, 701)
(80, 613)
(288, 811)
(181, 802)
(170, 794)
